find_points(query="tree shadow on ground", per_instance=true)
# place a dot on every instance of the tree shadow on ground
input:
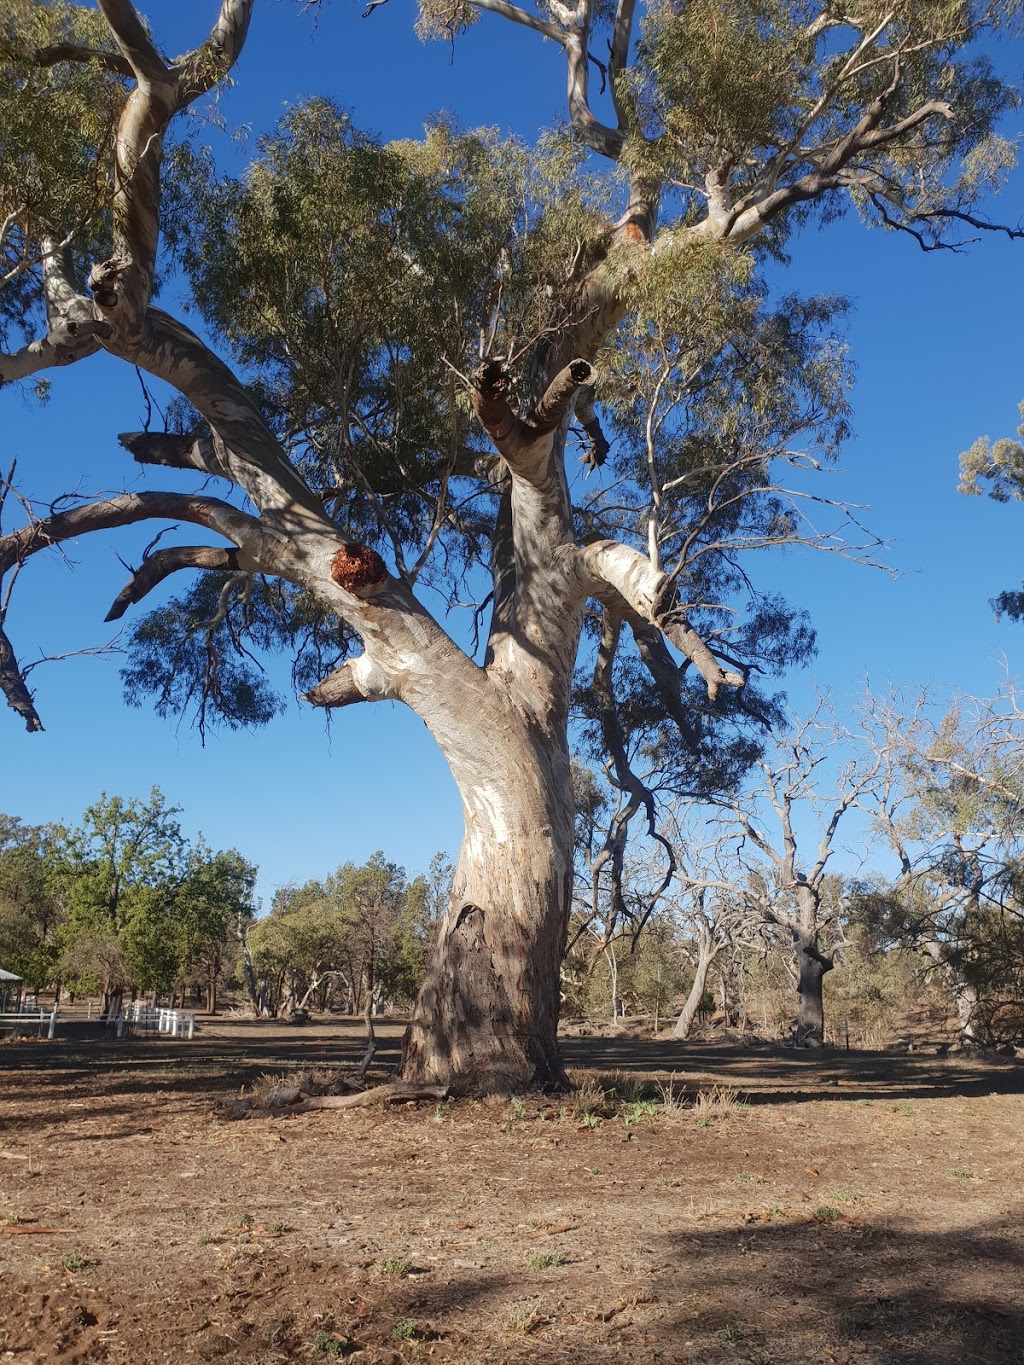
(846, 1290)
(227, 1055)
(776, 1075)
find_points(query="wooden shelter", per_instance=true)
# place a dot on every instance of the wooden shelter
(11, 988)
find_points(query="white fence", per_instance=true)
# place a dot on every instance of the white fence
(26, 1020)
(175, 1023)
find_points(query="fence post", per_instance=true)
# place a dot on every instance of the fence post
(53, 1022)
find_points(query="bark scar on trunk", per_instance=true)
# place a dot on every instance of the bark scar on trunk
(465, 911)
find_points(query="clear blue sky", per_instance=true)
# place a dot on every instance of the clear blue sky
(936, 339)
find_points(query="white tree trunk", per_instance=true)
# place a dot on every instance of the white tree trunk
(487, 1014)
(705, 957)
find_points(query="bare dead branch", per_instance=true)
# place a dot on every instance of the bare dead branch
(156, 567)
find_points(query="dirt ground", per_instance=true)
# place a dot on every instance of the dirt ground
(859, 1207)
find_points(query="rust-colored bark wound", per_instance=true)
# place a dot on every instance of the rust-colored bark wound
(357, 566)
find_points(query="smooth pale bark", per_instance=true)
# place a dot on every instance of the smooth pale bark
(705, 957)
(974, 1032)
(487, 1015)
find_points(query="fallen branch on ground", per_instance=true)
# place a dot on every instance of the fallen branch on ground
(381, 1094)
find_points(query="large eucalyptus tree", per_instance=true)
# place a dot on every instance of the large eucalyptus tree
(413, 328)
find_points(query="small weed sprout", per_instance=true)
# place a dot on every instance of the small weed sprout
(845, 1196)
(826, 1214)
(544, 1260)
(245, 1221)
(404, 1329)
(74, 1261)
(327, 1344)
(526, 1320)
(636, 1110)
(396, 1266)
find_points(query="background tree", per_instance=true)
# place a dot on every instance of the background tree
(728, 126)
(213, 898)
(950, 810)
(31, 907)
(121, 868)
(363, 929)
(997, 467)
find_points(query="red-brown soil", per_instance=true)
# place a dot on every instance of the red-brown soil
(859, 1207)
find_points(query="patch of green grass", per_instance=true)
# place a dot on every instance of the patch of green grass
(544, 1260)
(902, 1109)
(276, 1226)
(845, 1196)
(826, 1213)
(591, 1121)
(245, 1221)
(958, 1173)
(637, 1110)
(74, 1261)
(397, 1266)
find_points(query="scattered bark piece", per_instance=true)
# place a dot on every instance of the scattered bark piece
(21, 1230)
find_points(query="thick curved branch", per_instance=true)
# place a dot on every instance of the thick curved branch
(63, 344)
(160, 565)
(17, 546)
(13, 686)
(758, 208)
(122, 285)
(200, 70)
(125, 510)
(559, 395)
(521, 16)
(73, 330)
(650, 593)
(136, 46)
(243, 449)
(606, 141)
(618, 55)
(74, 52)
(490, 393)
(357, 680)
